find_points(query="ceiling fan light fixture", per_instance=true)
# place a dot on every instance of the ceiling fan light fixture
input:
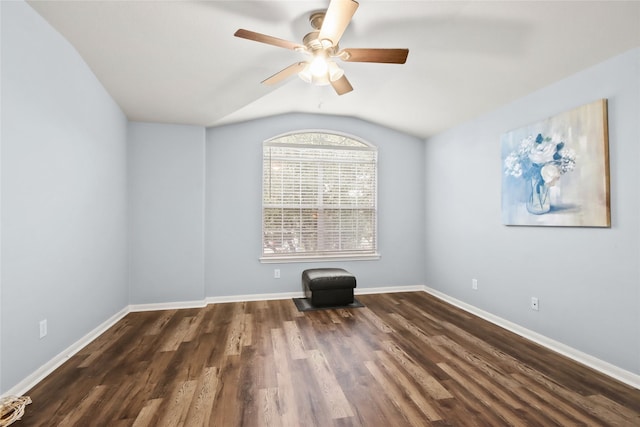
(309, 77)
(319, 66)
(326, 43)
(335, 72)
(332, 72)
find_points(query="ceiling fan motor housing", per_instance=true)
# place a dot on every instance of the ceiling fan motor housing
(316, 19)
(314, 44)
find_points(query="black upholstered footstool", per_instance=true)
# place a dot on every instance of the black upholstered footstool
(328, 286)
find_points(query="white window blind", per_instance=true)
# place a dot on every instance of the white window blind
(319, 196)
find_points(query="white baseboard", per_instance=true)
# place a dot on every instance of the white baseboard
(29, 382)
(214, 300)
(167, 306)
(586, 359)
(388, 289)
(300, 294)
(255, 297)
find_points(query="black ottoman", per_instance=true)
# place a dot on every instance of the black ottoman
(328, 286)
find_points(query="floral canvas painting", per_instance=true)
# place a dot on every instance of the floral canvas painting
(556, 171)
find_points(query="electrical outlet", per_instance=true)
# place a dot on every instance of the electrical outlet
(535, 304)
(276, 273)
(474, 284)
(43, 328)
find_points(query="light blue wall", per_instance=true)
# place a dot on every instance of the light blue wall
(233, 207)
(587, 279)
(166, 213)
(195, 210)
(63, 196)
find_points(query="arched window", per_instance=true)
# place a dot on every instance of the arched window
(318, 197)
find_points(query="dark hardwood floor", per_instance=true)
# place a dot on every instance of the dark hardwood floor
(407, 359)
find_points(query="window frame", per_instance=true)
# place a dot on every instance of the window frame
(286, 257)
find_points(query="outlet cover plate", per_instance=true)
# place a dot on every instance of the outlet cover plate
(43, 328)
(535, 305)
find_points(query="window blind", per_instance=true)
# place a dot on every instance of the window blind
(319, 199)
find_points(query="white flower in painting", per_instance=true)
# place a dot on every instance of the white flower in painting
(512, 166)
(567, 159)
(526, 145)
(550, 174)
(543, 153)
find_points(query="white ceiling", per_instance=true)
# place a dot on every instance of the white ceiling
(178, 62)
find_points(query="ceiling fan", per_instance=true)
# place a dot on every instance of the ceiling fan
(322, 46)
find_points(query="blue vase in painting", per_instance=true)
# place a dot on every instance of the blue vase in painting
(538, 201)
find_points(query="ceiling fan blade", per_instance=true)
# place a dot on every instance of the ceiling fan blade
(337, 19)
(385, 56)
(283, 74)
(263, 38)
(342, 85)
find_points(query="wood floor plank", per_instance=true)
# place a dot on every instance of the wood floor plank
(286, 394)
(467, 410)
(84, 409)
(160, 323)
(483, 395)
(103, 345)
(294, 339)
(227, 408)
(175, 410)
(370, 404)
(195, 325)
(406, 359)
(206, 391)
(613, 412)
(111, 408)
(417, 396)
(148, 414)
(431, 386)
(268, 414)
(178, 335)
(377, 321)
(235, 339)
(395, 393)
(563, 413)
(329, 388)
(497, 383)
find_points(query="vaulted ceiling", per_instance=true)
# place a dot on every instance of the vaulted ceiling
(178, 61)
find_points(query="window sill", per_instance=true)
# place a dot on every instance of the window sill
(317, 258)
